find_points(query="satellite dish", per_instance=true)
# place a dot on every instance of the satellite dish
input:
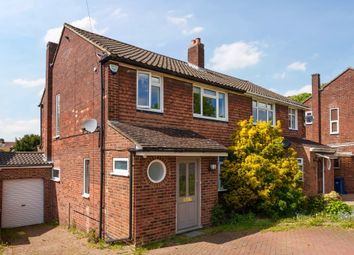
(89, 125)
(286, 143)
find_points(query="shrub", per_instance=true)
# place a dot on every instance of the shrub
(314, 204)
(218, 215)
(260, 174)
(335, 207)
(332, 196)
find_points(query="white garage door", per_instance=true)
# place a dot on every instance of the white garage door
(22, 203)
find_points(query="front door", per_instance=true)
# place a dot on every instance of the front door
(187, 194)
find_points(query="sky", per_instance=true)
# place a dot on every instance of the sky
(275, 44)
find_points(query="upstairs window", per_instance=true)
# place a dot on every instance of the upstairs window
(308, 117)
(209, 104)
(149, 92)
(292, 119)
(263, 112)
(57, 115)
(56, 174)
(334, 121)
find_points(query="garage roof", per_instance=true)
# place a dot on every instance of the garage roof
(20, 159)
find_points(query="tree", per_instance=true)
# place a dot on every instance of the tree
(260, 174)
(301, 97)
(27, 143)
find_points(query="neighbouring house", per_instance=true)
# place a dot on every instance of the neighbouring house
(330, 106)
(149, 169)
(6, 146)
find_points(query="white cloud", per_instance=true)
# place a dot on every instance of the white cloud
(236, 55)
(11, 128)
(119, 13)
(194, 30)
(53, 34)
(297, 66)
(279, 76)
(180, 21)
(29, 83)
(304, 89)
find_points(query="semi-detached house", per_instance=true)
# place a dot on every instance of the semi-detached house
(150, 169)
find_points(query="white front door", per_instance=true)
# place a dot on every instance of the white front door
(187, 194)
(22, 203)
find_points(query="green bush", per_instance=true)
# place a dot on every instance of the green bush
(336, 207)
(236, 218)
(218, 215)
(314, 204)
(332, 196)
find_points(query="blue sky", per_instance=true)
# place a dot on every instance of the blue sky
(276, 44)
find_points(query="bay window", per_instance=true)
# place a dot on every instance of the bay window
(263, 112)
(149, 92)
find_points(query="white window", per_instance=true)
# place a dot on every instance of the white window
(220, 163)
(149, 94)
(56, 174)
(209, 104)
(308, 117)
(300, 163)
(334, 121)
(336, 163)
(86, 191)
(120, 166)
(57, 115)
(263, 112)
(293, 119)
(156, 171)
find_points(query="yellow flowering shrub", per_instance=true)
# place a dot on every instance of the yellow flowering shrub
(260, 174)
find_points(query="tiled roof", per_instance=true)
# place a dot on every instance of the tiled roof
(167, 138)
(308, 143)
(140, 57)
(15, 159)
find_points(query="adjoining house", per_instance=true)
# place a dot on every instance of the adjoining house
(25, 189)
(137, 138)
(332, 125)
(6, 146)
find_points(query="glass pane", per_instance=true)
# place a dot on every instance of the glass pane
(191, 179)
(87, 177)
(262, 105)
(270, 116)
(55, 173)
(334, 114)
(156, 81)
(222, 105)
(262, 115)
(182, 180)
(209, 92)
(209, 107)
(155, 97)
(121, 165)
(196, 100)
(334, 127)
(254, 103)
(255, 117)
(143, 89)
(156, 172)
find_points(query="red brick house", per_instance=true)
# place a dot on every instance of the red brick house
(332, 112)
(150, 169)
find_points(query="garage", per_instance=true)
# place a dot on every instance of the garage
(25, 189)
(22, 203)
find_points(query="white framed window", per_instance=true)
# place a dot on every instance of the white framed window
(293, 123)
(86, 190)
(56, 174)
(220, 163)
(57, 115)
(209, 104)
(300, 163)
(334, 120)
(149, 92)
(263, 111)
(156, 171)
(308, 117)
(121, 166)
(336, 163)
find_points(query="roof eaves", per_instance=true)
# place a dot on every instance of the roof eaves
(301, 106)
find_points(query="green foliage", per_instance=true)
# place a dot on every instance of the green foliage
(218, 215)
(335, 207)
(301, 97)
(27, 143)
(314, 204)
(332, 196)
(260, 175)
(91, 236)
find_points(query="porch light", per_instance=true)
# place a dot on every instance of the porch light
(212, 167)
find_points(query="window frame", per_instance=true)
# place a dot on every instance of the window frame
(84, 193)
(220, 187)
(164, 171)
(267, 103)
(120, 172)
(144, 107)
(306, 122)
(57, 115)
(333, 121)
(56, 179)
(302, 168)
(334, 165)
(216, 97)
(295, 115)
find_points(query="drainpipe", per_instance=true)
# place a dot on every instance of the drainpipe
(323, 176)
(131, 197)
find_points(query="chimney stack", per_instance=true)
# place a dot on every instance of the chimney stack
(316, 107)
(196, 53)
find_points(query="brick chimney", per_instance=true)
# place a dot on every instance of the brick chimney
(316, 108)
(196, 53)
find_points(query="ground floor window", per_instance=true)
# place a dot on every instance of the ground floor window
(56, 174)
(220, 163)
(300, 163)
(121, 166)
(86, 178)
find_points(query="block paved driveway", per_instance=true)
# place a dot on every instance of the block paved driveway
(316, 241)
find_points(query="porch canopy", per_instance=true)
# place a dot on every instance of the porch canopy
(169, 141)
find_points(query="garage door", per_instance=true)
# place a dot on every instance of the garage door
(22, 203)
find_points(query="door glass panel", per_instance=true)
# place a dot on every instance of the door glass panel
(191, 179)
(182, 180)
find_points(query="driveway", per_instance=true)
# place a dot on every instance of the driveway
(314, 241)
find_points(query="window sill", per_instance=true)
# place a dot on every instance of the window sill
(86, 195)
(222, 190)
(334, 133)
(210, 118)
(147, 110)
(120, 174)
(293, 129)
(55, 179)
